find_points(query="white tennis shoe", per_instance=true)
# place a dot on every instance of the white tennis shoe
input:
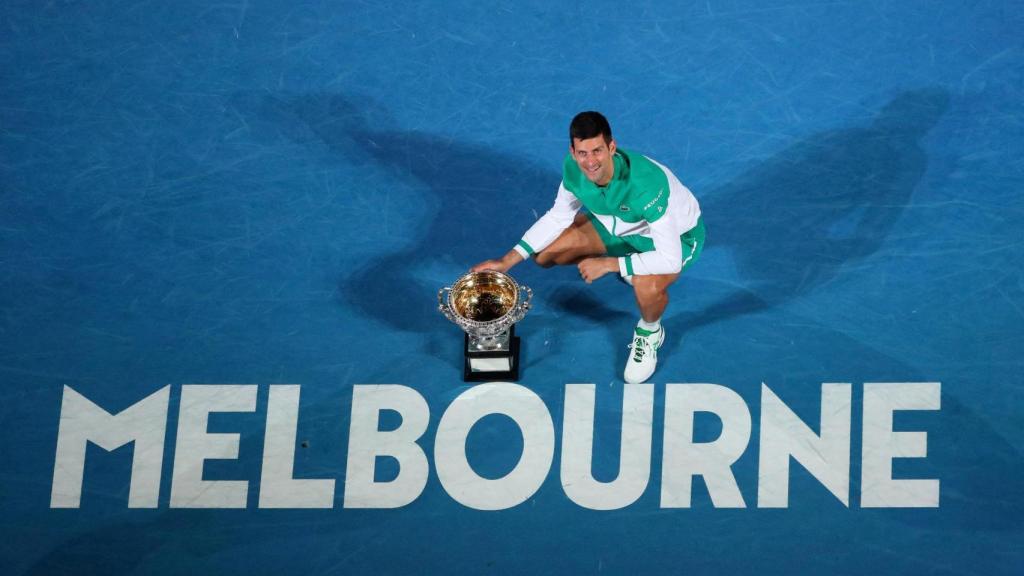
(643, 355)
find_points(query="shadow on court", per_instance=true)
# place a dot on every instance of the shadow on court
(471, 188)
(794, 221)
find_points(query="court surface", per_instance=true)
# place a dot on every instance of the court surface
(266, 193)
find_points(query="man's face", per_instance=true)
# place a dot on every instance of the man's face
(594, 158)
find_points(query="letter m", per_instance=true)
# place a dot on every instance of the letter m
(81, 422)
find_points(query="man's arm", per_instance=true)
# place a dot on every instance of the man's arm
(666, 258)
(543, 232)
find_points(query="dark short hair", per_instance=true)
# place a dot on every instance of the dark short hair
(589, 124)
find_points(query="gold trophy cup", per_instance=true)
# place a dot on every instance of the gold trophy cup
(486, 305)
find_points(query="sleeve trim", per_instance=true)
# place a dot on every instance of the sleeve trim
(524, 249)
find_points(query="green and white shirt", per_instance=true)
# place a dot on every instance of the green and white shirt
(643, 198)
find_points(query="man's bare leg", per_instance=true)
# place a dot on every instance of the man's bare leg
(651, 292)
(580, 240)
(576, 243)
(651, 297)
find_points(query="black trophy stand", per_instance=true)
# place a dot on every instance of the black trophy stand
(511, 375)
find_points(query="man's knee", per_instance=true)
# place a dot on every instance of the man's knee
(545, 259)
(548, 258)
(652, 287)
(580, 240)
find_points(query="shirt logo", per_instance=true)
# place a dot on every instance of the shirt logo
(652, 202)
(623, 208)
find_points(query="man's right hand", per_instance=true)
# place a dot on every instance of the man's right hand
(496, 265)
(499, 265)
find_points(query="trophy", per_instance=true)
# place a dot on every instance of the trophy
(486, 305)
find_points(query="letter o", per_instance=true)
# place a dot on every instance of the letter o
(457, 477)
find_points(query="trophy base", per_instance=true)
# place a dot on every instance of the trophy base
(492, 365)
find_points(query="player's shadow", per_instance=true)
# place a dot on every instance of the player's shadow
(795, 220)
(478, 199)
(791, 223)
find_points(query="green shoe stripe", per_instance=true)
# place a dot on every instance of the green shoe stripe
(646, 333)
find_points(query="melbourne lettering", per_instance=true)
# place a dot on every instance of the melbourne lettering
(784, 439)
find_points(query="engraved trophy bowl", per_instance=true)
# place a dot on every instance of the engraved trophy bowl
(486, 305)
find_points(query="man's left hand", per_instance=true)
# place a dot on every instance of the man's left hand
(593, 268)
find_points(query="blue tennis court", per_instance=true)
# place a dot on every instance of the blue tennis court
(223, 227)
